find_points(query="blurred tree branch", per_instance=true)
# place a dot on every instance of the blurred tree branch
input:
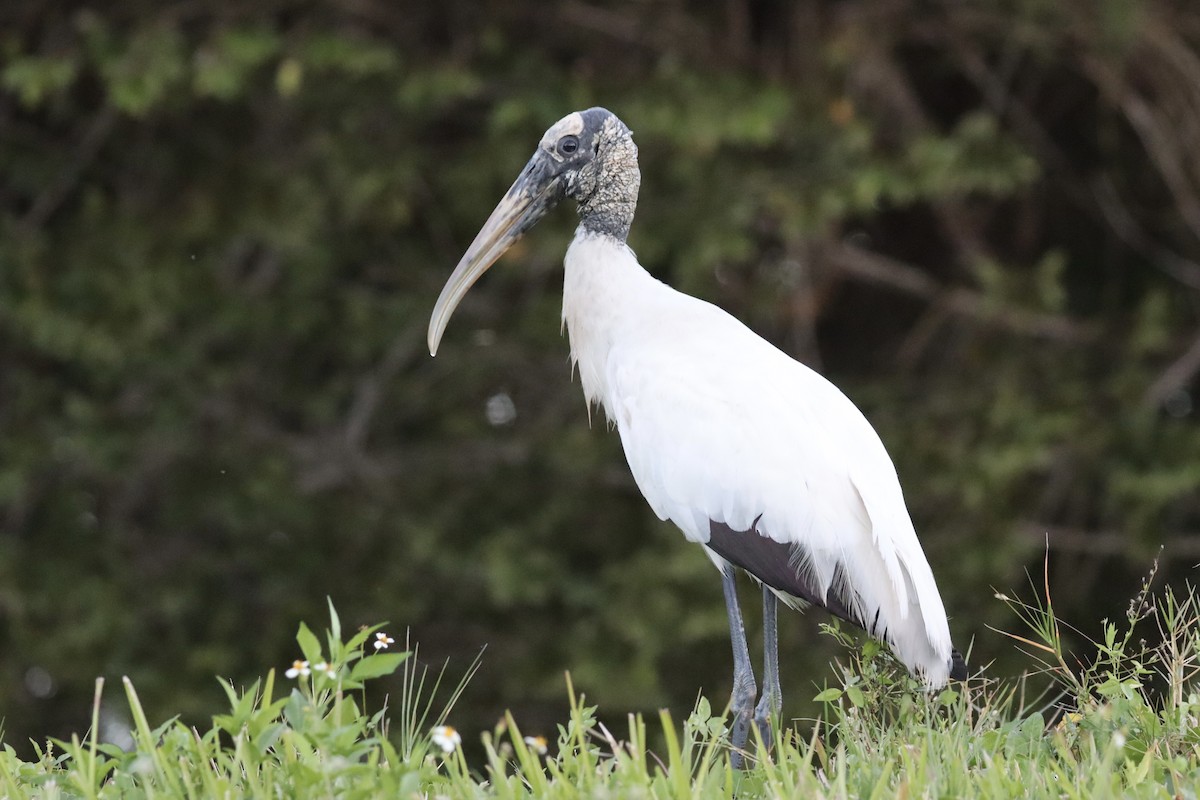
(857, 264)
(1107, 543)
(1175, 378)
(95, 135)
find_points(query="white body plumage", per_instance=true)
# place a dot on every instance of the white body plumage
(719, 425)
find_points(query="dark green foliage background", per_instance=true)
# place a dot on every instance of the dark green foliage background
(223, 226)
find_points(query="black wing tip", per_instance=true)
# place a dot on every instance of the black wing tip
(958, 666)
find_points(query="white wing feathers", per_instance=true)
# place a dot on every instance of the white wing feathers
(719, 425)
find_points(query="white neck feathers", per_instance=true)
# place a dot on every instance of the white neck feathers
(604, 293)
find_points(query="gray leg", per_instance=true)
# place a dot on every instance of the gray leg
(741, 704)
(771, 702)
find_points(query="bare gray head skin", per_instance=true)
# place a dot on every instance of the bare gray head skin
(603, 176)
(587, 155)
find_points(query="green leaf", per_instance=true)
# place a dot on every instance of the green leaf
(335, 622)
(309, 645)
(377, 665)
(829, 695)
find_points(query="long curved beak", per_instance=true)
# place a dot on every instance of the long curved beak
(534, 193)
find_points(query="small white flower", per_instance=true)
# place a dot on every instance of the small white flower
(538, 744)
(382, 640)
(299, 669)
(446, 738)
(328, 670)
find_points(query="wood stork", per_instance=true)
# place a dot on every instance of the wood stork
(751, 454)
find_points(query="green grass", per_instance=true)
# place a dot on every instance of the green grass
(1123, 725)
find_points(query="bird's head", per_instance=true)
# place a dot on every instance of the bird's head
(588, 156)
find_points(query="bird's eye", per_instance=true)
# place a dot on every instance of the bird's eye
(568, 145)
